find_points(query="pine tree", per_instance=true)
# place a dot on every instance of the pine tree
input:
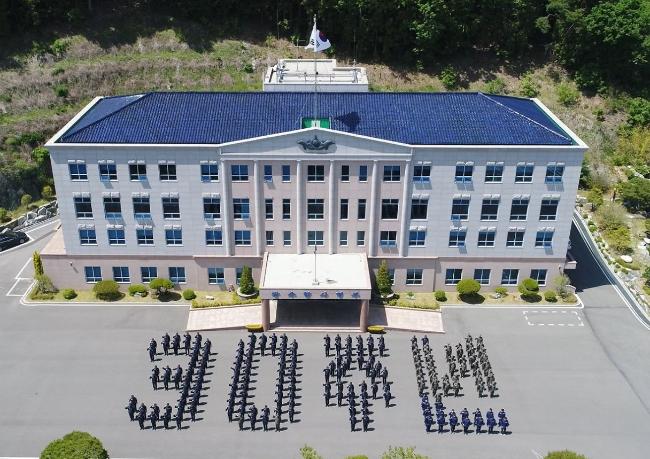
(246, 285)
(384, 284)
(38, 264)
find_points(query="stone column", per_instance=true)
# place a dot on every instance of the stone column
(372, 229)
(363, 318)
(406, 207)
(260, 240)
(226, 206)
(300, 191)
(266, 315)
(331, 210)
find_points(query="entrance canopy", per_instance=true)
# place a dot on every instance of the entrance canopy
(341, 276)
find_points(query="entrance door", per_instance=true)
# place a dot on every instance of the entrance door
(318, 313)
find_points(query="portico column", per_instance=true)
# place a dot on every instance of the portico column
(226, 207)
(372, 230)
(406, 205)
(266, 315)
(331, 212)
(363, 319)
(259, 221)
(299, 206)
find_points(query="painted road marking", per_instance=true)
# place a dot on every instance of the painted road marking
(21, 280)
(552, 318)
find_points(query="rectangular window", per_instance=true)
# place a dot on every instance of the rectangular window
(413, 276)
(242, 237)
(138, 172)
(238, 272)
(315, 209)
(177, 274)
(539, 275)
(315, 238)
(269, 238)
(209, 172)
(515, 238)
(112, 207)
(78, 171)
(171, 207)
(121, 274)
(421, 174)
(107, 172)
(216, 276)
(93, 274)
(213, 237)
(148, 273)
(286, 173)
(548, 210)
(524, 173)
(344, 209)
(241, 209)
(286, 209)
(361, 238)
(464, 172)
(343, 238)
(486, 238)
(167, 172)
(388, 238)
(391, 275)
(83, 207)
(87, 237)
(519, 209)
(268, 173)
(544, 239)
(239, 172)
(345, 173)
(494, 173)
(174, 236)
(116, 236)
(363, 173)
(361, 209)
(315, 173)
(417, 238)
(460, 209)
(268, 208)
(211, 207)
(490, 209)
(509, 276)
(554, 173)
(482, 276)
(144, 236)
(286, 238)
(389, 209)
(453, 276)
(391, 173)
(419, 208)
(457, 238)
(141, 207)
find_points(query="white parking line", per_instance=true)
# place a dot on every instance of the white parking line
(19, 279)
(528, 316)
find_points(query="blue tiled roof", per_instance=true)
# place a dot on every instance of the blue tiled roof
(410, 118)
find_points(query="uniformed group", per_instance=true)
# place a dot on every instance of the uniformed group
(286, 381)
(189, 383)
(373, 368)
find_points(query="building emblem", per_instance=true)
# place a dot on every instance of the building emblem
(275, 295)
(315, 144)
(339, 294)
(307, 294)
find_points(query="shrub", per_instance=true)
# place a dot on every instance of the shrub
(468, 287)
(248, 68)
(44, 284)
(496, 86)
(137, 289)
(307, 452)
(595, 197)
(60, 46)
(440, 295)
(61, 90)
(160, 285)
(26, 199)
(357, 456)
(69, 293)
(560, 283)
(449, 78)
(375, 329)
(189, 294)
(529, 284)
(567, 95)
(384, 284)
(550, 296)
(565, 454)
(75, 445)
(619, 239)
(638, 112)
(501, 291)
(47, 192)
(611, 216)
(246, 285)
(529, 87)
(38, 264)
(4, 215)
(635, 194)
(254, 328)
(107, 290)
(40, 155)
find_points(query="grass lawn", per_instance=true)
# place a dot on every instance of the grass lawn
(423, 300)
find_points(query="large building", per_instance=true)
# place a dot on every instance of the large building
(194, 186)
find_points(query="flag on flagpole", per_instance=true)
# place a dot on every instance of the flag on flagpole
(318, 41)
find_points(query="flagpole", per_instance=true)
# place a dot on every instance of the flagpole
(315, 82)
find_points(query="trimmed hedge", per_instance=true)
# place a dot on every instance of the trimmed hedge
(440, 295)
(565, 454)
(254, 328)
(550, 296)
(69, 293)
(107, 290)
(189, 294)
(468, 287)
(376, 329)
(137, 289)
(75, 445)
(501, 291)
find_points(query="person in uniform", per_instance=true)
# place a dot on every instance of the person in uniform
(353, 422)
(453, 421)
(155, 373)
(262, 344)
(253, 416)
(179, 419)
(187, 342)
(165, 340)
(375, 388)
(167, 375)
(278, 420)
(387, 397)
(327, 342)
(274, 343)
(155, 416)
(466, 423)
(167, 416)
(152, 349)
(131, 407)
(140, 418)
(503, 424)
(365, 420)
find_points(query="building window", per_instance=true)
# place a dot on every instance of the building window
(286, 238)
(83, 207)
(509, 276)
(141, 207)
(144, 236)
(242, 237)
(121, 274)
(464, 172)
(78, 171)
(343, 238)
(413, 276)
(460, 209)
(494, 173)
(417, 238)
(490, 209)
(389, 209)
(211, 207)
(286, 209)
(269, 238)
(486, 238)
(138, 172)
(482, 276)
(344, 209)
(239, 172)
(93, 274)
(209, 172)
(419, 208)
(391, 173)
(548, 210)
(116, 237)
(286, 173)
(112, 207)
(241, 208)
(148, 273)
(238, 272)
(107, 172)
(216, 276)
(167, 172)
(268, 208)
(171, 207)
(361, 209)
(391, 275)
(174, 236)
(519, 209)
(524, 173)
(457, 238)
(554, 173)
(177, 274)
(87, 237)
(315, 238)
(268, 173)
(388, 238)
(345, 173)
(315, 173)
(361, 238)
(213, 237)
(544, 239)
(363, 173)
(453, 276)
(315, 209)
(515, 238)
(421, 174)
(539, 275)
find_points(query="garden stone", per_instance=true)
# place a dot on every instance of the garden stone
(626, 258)
(209, 297)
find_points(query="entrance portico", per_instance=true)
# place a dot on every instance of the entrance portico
(315, 277)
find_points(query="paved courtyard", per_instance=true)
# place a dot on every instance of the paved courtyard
(583, 387)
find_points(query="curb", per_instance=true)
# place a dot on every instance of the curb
(578, 305)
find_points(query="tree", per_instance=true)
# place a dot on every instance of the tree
(38, 264)
(25, 199)
(529, 289)
(75, 445)
(468, 287)
(595, 197)
(246, 285)
(384, 284)
(47, 192)
(635, 194)
(561, 284)
(160, 285)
